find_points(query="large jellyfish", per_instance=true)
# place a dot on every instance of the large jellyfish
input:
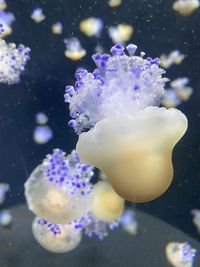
(128, 136)
(59, 189)
(56, 238)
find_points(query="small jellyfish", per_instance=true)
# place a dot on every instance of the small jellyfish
(196, 218)
(106, 205)
(37, 15)
(59, 189)
(114, 3)
(42, 134)
(56, 238)
(74, 50)
(6, 19)
(4, 188)
(180, 254)
(185, 7)
(121, 33)
(170, 99)
(3, 4)
(57, 28)
(41, 118)
(129, 223)
(181, 88)
(122, 131)
(175, 57)
(5, 218)
(91, 26)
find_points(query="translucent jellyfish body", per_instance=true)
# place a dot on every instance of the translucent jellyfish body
(37, 15)
(58, 190)
(129, 223)
(56, 238)
(121, 33)
(107, 205)
(3, 4)
(41, 118)
(185, 7)
(175, 57)
(170, 99)
(5, 218)
(42, 134)
(91, 26)
(180, 254)
(57, 28)
(6, 19)
(114, 3)
(74, 50)
(130, 139)
(181, 88)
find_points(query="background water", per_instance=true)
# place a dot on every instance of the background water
(158, 29)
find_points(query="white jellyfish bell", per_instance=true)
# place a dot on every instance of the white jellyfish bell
(58, 190)
(129, 137)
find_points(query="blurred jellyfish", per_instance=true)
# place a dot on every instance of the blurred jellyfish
(74, 50)
(56, 238)
(181, 88)
(128, 136)
(185, 7)
(37, 15)
(180, 254)
(5, 218)
(196, 218)
(3, 4)
(91, 26)
(129, 223)
(12, 61)
(57, 28)
(41, 118)
(59, 189)
(121, 33)
(42, 134)
(175, 57)
(114, 3)
(6, 19)
(170, 99)
(107, 205)
(4, 188)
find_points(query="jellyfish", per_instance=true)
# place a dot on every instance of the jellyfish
(185, 7)
(13, 61)
(122, 130)
(170, 99)
(42, 134)
(175, 57)
(37, 15)
(59, 190)
(128, 222)
(4, 188)
(41, 118)
(180, 254)
(107, 204)
(5, 218)
(114, 3)
(3, 4)
(196, 218)
(91, 26)
(121, 33)
(57, 28)
(56, 238)
(74, 50)
(181, 88)
(6, 19)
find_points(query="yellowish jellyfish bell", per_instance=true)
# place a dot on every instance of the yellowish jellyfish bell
(107, 204)
(56, 238)
(135, 152)
(53, 202)
(185, 7)
(114, 3)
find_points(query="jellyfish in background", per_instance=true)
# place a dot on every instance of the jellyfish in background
(57, 28)
(12, 61)
(5, 218)
(128, 137)
(129, 223)
(196, 218)
(4, 188)
(42, 134)
(185, 7)
(175, 57)
(41, 118)
(121, 33)
(6, 19)
(59, 189)
(180, 254)
(74, 50)
(114, 3)
(170, 99)
(91, 26)
(3, 4)
(37, 15)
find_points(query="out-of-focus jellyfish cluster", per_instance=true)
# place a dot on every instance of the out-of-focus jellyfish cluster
(3, 4)
(67, 204)
(120, 33)
(5, 215)
(91, 26)
(6, 19)
(57, 28)
(180, 254)
(37, 15)
(114, 3)
(175, 57)
(185, 7)
(74, 50)
(42, 133)
(128, 136)
(12, 61)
